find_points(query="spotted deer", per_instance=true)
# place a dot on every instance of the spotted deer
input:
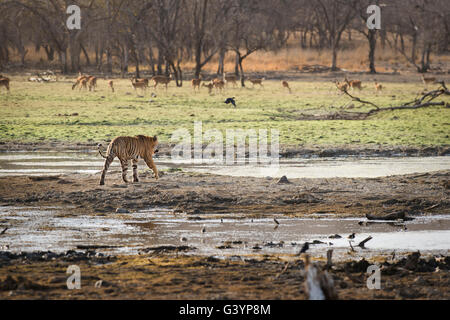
(285, 84)
(257, 82)
(230, 78)
(196, 83)
(111, 85)
(161, 80)
(210, 86)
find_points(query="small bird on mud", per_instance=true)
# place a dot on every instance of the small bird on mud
(352, 236)
(232, 101)
(276, 221)
(304, 248)
(203, 229)
(4, 230)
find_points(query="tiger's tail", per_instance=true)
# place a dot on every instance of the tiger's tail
(100, 151)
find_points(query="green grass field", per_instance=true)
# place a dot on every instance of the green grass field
(37, 112)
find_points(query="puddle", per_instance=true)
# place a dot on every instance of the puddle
(33, 229)
(51, 163)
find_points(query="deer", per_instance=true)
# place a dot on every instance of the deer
(378, 86)
(79, 80)
(4, 82)
(92, 83)
(342, 86)
(83, 83)
(354, 84)
(285, 84)
(140, 80)
(111, 85)
(257, 81)
(196, 83)
(219, 84)
(230, 79)
(210, 86)
(161, 80)
(138, 84)
(427, 81)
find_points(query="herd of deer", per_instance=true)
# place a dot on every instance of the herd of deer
(87, 81)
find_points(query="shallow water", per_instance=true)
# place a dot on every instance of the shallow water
(32, 229)
(52, 163)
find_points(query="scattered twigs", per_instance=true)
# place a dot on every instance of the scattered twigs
(282, 271)
(362, 243)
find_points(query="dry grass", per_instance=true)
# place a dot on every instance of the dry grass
(354, 58)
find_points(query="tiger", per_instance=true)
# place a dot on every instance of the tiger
(130, 148)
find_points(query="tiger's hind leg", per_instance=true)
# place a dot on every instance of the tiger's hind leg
(108, 162)
(124, 164)
(135, 173)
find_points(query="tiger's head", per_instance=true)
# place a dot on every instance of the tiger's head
(155, 144)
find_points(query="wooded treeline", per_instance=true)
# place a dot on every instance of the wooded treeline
(163, 34)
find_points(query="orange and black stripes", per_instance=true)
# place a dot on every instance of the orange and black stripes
(130, 148)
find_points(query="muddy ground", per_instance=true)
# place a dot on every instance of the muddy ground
(171, 275)
(195, 193)
(166, 275)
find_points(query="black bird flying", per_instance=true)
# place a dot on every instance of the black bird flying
(232, 101)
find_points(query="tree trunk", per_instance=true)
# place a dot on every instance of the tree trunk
(63, 61)
(241, 69)
(334, 57)
(372, 37)
(221, 68)
(151, 61)
(236, 65)
(50, 52)
(86, 55)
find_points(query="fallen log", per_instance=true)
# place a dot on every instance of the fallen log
(390, 217)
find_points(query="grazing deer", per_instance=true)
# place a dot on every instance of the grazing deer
(427, 81)
(230, 79)
(161, 80)
(285, 84)
(257, 81)
(138, 84)
(196, 83)
(378, 86)
(342, 86)
(111, 85)
(92, 83)
(354, 84)
(219, 84)
(210, 86)
(4, 82)
(79, 80)
(83, 83)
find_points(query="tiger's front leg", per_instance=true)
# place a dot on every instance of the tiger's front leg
(152, 166)
(135, 173)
